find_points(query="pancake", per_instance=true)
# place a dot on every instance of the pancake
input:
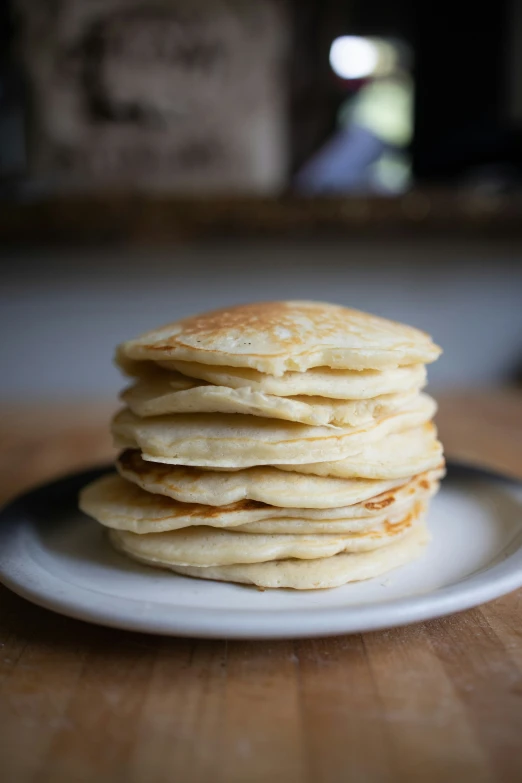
(239, 441)
(312, 496)
(118, 504)
(403, 453)
(280, 444)
(274, 337)
(338, 526)
(316, 382)
(159, 396)
(263, 484)
(207, 546)
(307, 574)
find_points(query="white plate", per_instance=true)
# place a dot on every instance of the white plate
(56, 557)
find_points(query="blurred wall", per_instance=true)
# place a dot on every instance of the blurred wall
(176, 95)
(62, 313)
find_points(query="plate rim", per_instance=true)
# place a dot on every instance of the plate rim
(117, 611)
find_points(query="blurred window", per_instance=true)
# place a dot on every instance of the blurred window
(368, 152)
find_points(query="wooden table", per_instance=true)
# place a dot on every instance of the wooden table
(439, 701)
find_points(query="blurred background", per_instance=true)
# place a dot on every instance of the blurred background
(160, 157)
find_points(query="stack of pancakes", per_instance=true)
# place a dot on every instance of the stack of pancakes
(282, 444)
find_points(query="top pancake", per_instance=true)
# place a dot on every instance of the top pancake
(274, 337)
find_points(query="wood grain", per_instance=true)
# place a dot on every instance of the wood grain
(81, 704)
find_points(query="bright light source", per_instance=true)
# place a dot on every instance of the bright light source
(352, 57)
